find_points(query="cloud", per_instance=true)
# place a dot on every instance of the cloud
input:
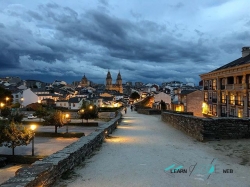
(59, 40)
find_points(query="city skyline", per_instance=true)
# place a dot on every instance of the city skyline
(160, 41)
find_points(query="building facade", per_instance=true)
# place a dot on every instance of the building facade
(84, 81)
(117, 87)
(226, 90)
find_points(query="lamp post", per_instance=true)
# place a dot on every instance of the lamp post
(1, 106)
(7, 100)
(81, 113)
(33, 127)
(22, 102)
(67, 120)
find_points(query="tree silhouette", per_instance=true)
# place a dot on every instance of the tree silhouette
(41, 112)
(135, 96)
(15, 135)
(54, 119)
(88, 111)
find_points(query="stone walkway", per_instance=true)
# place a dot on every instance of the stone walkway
(141, 152)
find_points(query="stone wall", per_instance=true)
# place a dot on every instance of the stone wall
(204, 129)
(47, 171)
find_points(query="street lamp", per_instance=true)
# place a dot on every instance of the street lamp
(67, 120)
(90, 107)
(33, 127)
(81, 113)
(1, 106)
(22, 102)
(6, 100)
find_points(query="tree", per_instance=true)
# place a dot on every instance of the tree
(16, 135)
(16, 105)
(135, 96)
(17, 118)
(6, 112)
(41, 112)
(88, 111)
(54, 119)
(5, 93)
(2, 135)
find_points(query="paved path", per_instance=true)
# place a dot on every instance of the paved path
(139, 152)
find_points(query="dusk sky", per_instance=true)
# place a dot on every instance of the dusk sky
(148, 41)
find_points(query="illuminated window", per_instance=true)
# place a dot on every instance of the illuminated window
(214, 110)
(205, 96)
(204, 108)
(240, 113)
(232, 99)
(214, 84)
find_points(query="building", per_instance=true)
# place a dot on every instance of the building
(226, 90)
(116, 87)
(188, 101)
(84, 82)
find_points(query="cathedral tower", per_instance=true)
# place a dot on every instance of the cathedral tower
(108, 81)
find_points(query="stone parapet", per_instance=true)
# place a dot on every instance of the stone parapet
(45, 172)
(204, 129)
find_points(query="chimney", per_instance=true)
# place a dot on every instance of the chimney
(245, 51)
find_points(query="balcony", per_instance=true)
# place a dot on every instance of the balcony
(223, 101)
(232, 102)
(234, 86)
(238, 86)
(239, 102)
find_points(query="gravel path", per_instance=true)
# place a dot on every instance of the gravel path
(142, 149)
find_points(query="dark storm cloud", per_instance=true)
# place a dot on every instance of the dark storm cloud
(123, 39)
(144, 48)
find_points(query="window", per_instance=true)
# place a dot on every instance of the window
(214, 84)
(205, 96)
(210, 96)
(214, 95)
(210, 109)
(232, 99)
(214, 99)
(210, 84)
(240, 113)
(232, 112)
(215, 110)
(223, 97)
(205, 85)
(223, 81)
(223, 110)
